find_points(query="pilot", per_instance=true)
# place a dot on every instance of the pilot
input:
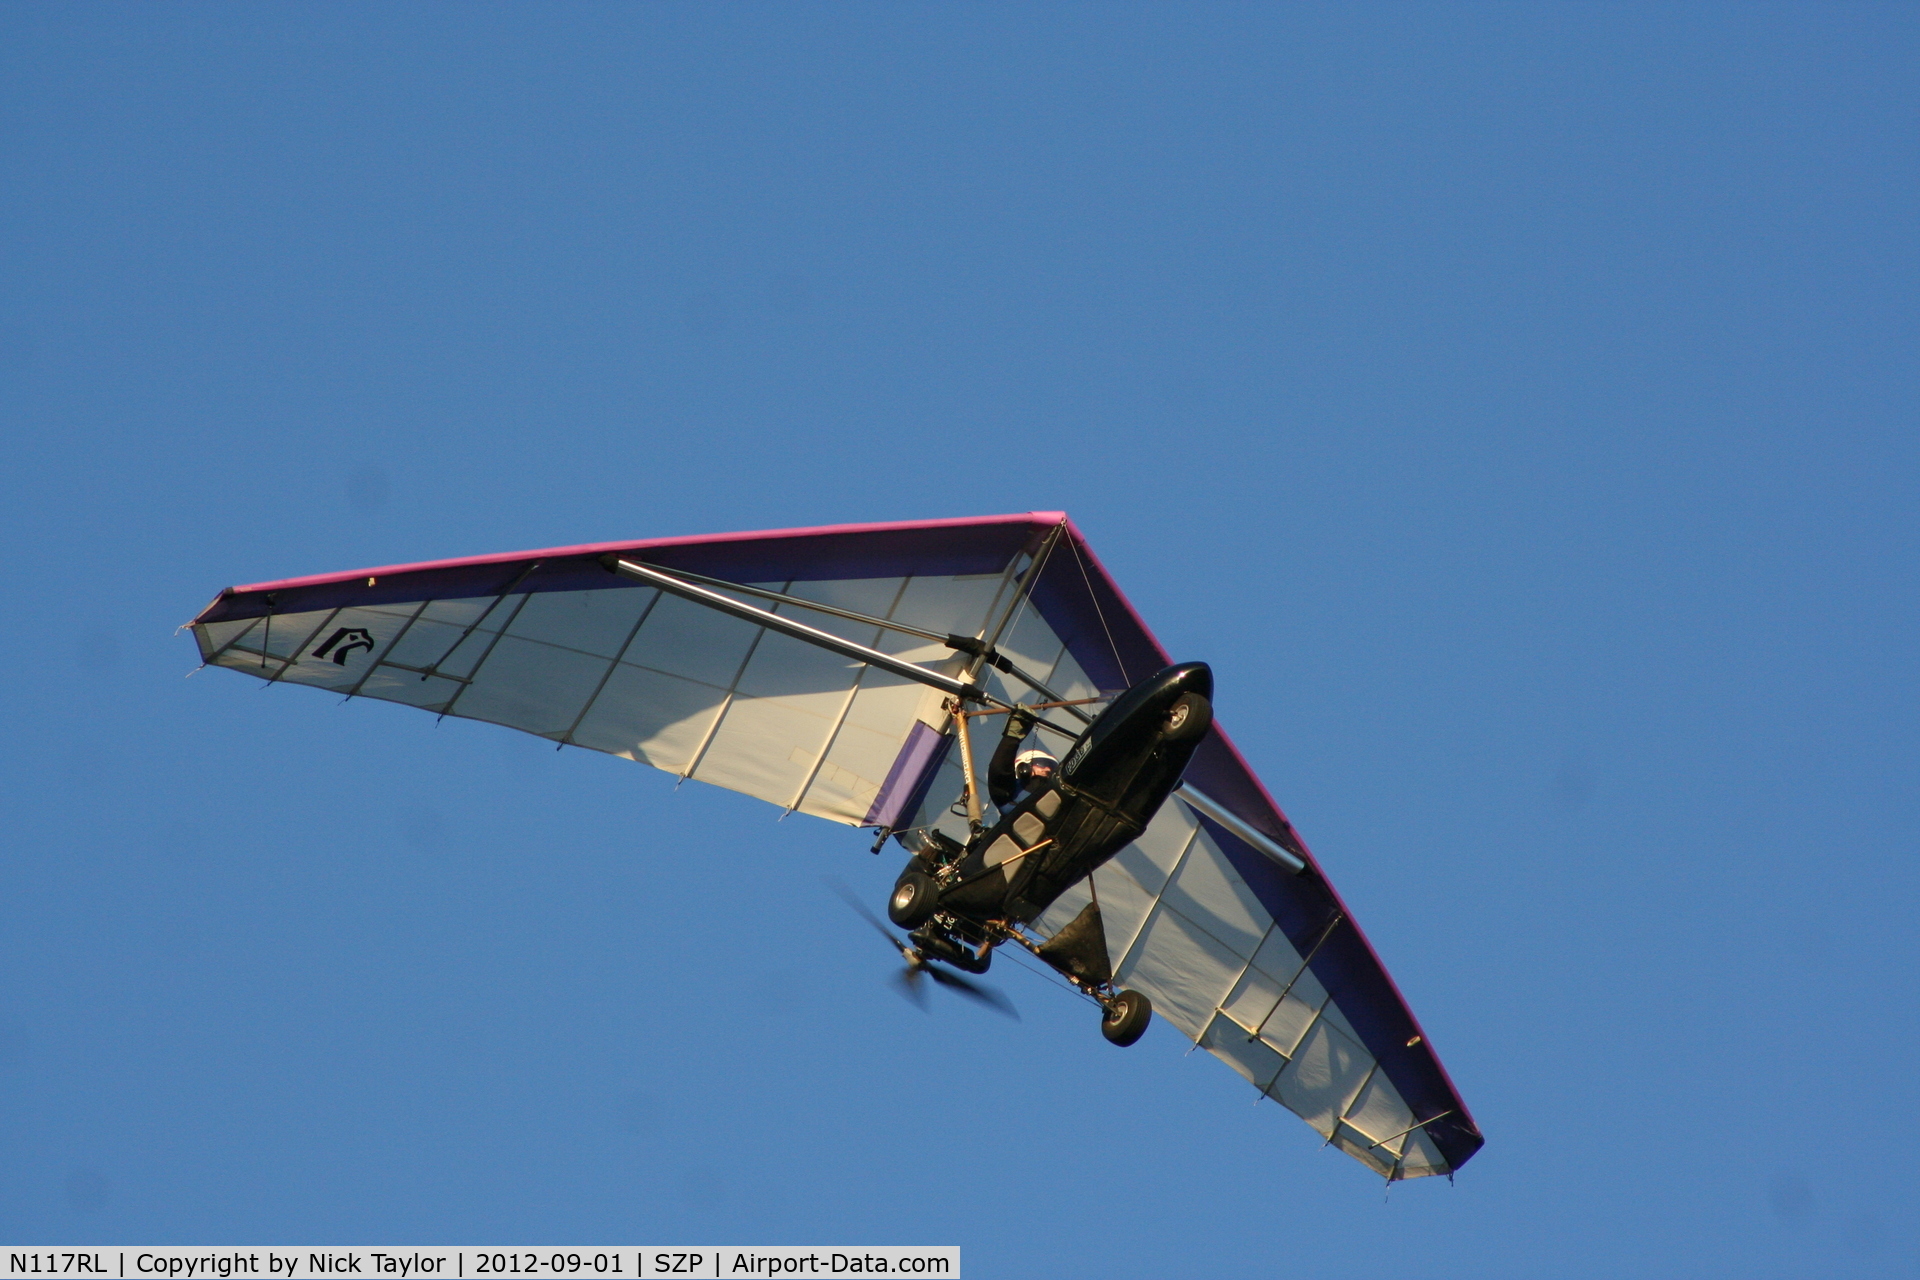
(1013, 774)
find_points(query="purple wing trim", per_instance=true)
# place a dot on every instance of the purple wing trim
(912, 772)
(979, 544)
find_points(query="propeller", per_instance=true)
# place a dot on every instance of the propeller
(918, 966)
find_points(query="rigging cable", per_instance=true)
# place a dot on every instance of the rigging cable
(1099, 612)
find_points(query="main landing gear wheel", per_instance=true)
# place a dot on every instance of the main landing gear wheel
(1126, 1018)
(914, 900)
(1188, 718)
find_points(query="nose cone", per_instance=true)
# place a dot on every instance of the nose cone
(1147, 702)
(1192, 677)
(1136, 749)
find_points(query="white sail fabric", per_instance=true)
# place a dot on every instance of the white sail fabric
(1183, 927)
(648, 676)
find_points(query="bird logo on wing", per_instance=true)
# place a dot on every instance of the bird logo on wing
(343, 642)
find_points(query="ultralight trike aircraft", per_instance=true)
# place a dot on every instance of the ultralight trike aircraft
(851, 672)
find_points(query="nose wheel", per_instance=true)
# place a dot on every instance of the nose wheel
(1126, 1017)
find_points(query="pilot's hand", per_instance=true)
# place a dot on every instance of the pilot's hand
(1019, 723)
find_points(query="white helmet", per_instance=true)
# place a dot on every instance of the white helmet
(1027, 762)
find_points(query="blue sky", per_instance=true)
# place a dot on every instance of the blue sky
(1515, 404)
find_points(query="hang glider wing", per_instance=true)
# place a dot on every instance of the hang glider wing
(559, 645)
(835, 706)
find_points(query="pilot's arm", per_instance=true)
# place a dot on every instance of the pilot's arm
(1002, 787)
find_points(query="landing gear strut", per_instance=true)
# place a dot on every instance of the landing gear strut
(1125, 1012)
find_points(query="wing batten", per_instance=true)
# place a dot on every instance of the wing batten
(301, 647)
(726, 705)
(221, 650)
(853, 692)
(826, 746)
(481, 661)
(1123, 965)
(586, 707)
(386, 650)
(433, 668)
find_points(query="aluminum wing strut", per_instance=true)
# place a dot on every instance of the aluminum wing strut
(963, 689)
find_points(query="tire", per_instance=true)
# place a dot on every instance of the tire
(1126, 1018)
(915, 898)
(1188, 719)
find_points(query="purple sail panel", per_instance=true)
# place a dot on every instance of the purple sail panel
(907, 781)
(980, 544)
